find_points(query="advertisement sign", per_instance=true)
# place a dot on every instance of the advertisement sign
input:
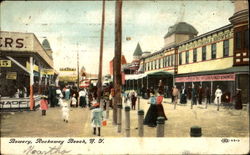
(5, 63)
(35, 67)
(47, 72)
(220, 77)
(67, 69)
(11, 75)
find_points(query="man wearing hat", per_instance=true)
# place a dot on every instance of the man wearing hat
(218, 94)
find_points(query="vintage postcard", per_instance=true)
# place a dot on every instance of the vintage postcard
(124, 77)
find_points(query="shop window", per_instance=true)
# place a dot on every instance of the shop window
(204, 53)
(195, 55)
(187, 57)
(225, 48)
(238, 40)
(213, 51)
(180, 58)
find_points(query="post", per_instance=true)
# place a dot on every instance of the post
(31, 84)
(114, 112)
(117, 57)
(160, 127)
(195, 131)
(218, 104)
(107, 109)
(119, 119)
(99, 87)
(138, 105)
(127, 121)
(140, 123)
(78, 68)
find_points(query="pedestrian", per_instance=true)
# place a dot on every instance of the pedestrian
(82, 98)
(133, 100)
(200, 94)
(151, 115)
(175, 94)
(208, 95)
(65, 112)
(25, 92)
(96, 118)
(160, 109)
(238, 100)
(183, 99)
(58, 94)
(73, 100)
(194, 95)
(218, 94)
(43, 105)
(67, 93)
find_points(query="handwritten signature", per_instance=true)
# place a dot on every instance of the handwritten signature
(52, 150)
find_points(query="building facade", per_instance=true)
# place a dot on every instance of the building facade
(217, 58)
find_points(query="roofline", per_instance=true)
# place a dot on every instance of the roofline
(206, 34)
(195, 38)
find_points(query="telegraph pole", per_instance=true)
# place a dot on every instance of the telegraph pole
(117, 60)
(99, 86)
(78, 68)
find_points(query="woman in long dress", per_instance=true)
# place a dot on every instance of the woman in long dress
(151, 116)
(160, 109)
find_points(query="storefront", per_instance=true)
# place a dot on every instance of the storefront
(228, 80)
(25, 66)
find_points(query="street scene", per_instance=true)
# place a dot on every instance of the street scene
(124, 69)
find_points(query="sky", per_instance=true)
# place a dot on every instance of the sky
(72, 26)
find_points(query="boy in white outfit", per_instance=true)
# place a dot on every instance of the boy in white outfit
(65, 111)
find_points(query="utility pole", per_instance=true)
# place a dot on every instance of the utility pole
(117, 60)
(78, 68)
(99, 86)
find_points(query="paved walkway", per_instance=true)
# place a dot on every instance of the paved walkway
(223, 123)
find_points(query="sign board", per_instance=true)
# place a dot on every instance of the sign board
(35, 67)
(16, 41)
(5, 63)
(220, 77)
(47, 72)
(67, 69)
(11, 75)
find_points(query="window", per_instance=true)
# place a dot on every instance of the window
(204, 53)
(159, 63)
(225, 48)
(168, 60)
(187, 57)
(171, 60)
(246, 39)
(195, 55)
(151, 65)
(155, 64)
(238, 40)
(213, 51)
(180, 58)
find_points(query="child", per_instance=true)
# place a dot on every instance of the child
(43, 105)
(65, 112)
(73, 100)
(96, 118)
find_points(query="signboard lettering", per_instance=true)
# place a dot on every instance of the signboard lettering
(11, 75)
(221, 77)
(67, 69)
(10, 42)
(5, 63)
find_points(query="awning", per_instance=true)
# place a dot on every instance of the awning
(160, 73)
(239, 69)
(134, 76)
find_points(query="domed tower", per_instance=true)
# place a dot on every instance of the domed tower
(47, 48)
(138, 52)
(179, 32)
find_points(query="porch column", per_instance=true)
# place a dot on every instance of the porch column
(31, 84)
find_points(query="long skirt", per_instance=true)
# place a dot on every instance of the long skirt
(183, 99)
(151, 116)
(160, 111)
(83, 101)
